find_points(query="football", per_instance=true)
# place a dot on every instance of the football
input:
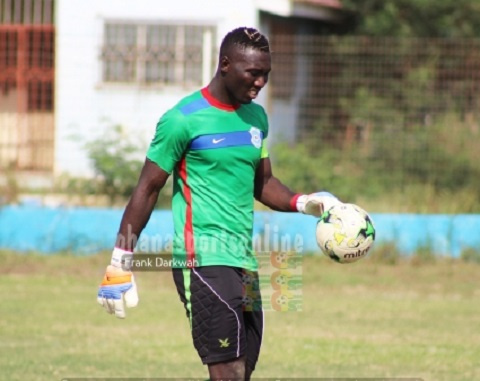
(345, 233)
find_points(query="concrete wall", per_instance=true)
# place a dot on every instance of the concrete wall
(85, 231)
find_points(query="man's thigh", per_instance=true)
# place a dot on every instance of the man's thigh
(218, 303)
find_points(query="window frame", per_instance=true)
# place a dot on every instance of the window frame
(142, 54)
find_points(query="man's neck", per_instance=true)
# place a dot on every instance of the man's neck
(218, 91)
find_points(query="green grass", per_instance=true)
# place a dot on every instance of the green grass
(361, 320)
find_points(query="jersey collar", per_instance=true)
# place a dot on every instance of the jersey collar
(216, 103)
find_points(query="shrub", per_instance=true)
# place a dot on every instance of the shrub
(470, 255)
(117, 162)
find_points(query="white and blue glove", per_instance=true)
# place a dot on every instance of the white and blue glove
(118, 288)
(316, 203)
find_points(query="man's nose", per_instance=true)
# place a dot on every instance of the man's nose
(261, 81)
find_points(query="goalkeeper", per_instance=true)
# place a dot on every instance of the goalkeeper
(214, 143)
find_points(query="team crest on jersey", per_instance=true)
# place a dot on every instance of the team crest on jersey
(256, 135)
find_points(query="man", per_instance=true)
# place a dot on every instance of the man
(214, 143)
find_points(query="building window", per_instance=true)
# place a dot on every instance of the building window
(158, 54)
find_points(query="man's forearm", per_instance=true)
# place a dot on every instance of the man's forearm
(136, 215)
(276, 196)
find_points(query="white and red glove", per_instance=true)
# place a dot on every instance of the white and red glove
(314, 204)
(118, 288)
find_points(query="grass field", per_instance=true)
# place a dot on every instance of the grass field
(364, 320)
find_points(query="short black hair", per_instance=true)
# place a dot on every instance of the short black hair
(244, 37)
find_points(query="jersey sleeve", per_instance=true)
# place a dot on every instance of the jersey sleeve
(170, 141)
(264, 152)
(265, 124)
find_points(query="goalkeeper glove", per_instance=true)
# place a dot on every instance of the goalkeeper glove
(316, 203)
(118, 287)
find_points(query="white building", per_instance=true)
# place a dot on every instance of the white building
(124, 62)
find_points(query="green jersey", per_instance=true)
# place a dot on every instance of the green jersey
(213, 150)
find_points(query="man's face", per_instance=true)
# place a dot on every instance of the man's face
(245, 72)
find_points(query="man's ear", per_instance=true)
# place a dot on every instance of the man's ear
(224, 64)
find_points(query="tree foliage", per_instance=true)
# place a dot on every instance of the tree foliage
(398, 116)
(415, 18)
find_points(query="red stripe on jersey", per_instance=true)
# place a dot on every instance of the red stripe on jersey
(216, 103)
(188, 229)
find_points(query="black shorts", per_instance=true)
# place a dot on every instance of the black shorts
(224, 307)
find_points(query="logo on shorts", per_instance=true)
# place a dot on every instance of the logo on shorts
(224, 343)
(256, 135)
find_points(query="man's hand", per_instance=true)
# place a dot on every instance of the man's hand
(316, 203)
(118, 287)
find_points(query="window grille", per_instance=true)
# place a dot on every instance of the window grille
(158, 54)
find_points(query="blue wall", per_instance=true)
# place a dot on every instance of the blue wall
(87, 230)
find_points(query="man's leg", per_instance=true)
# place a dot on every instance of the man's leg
(212, 297)
(253, 319)
(243, 367)
(229, 370)
(248, 372)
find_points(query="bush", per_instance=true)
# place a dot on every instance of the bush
(117, 162)
(470, 255)
(422, 168)
(423, 255)
(386, 253)
(9, 189)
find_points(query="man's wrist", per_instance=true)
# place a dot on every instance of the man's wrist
(297, 203)
(118, 255)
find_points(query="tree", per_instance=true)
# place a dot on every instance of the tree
(415, 18)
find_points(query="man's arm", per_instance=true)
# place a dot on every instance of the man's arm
(140, 206)
(270, 191)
